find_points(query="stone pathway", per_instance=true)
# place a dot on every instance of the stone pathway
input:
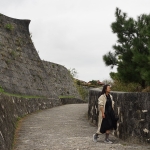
(64, 128)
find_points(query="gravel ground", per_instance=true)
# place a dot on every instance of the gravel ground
(64, 128)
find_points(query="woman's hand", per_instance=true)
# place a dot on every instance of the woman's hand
(103, 115)
(102, 111)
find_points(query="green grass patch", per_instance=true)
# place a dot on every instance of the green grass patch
(66, 96)
(19, 95)
(17, 125)
(9, 27)
(1, 89)
(23, 96)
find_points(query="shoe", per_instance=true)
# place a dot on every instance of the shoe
(95, 137)
(108, 141)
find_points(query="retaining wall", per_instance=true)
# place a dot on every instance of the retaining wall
(71, 101)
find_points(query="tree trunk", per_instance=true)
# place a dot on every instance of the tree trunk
(143, 84)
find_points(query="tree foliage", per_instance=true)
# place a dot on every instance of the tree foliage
(94, 82)
(73, 72)
(131, 53)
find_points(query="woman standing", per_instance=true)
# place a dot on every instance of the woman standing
(106, 121)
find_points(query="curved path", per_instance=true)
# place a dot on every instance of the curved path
(63, 128)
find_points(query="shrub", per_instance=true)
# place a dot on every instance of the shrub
(126, 87)
(82, 91)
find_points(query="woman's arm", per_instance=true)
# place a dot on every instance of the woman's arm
(113, 103)
(101, 105)
(102, 110)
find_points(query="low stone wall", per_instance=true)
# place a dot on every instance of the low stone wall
(11, 109)
(134, 114)
(71, 101)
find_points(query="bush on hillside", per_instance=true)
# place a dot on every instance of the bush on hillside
(126, 87)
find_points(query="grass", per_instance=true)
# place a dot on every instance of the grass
(19, 95)
(14, 54)
(8, 62)
(19, 42)
(81, 90)
(66, 96)
(1, 89)
(18, 125)
(9, 27)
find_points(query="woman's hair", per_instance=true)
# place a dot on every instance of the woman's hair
(104, 89)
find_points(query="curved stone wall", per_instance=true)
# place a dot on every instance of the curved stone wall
(13, 108)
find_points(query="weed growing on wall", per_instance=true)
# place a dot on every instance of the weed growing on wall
(13, 53)
(1, 89)
(73, 72)
(9, 27)
(18, 95)
(53, 65)
(8, 61)
(19, 42)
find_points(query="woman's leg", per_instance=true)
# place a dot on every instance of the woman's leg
(107, 137)
(107, 134)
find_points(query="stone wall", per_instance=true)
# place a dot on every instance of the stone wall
(134, 114)
(13, 108)
(21, 69)
(65, 101)
(61, 80)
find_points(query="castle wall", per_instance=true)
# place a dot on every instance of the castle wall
(21, 69)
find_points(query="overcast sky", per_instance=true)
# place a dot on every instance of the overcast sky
(74, 33)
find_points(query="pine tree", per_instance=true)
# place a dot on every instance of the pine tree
(131, 53)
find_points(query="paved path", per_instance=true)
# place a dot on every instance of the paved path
(64, 128)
